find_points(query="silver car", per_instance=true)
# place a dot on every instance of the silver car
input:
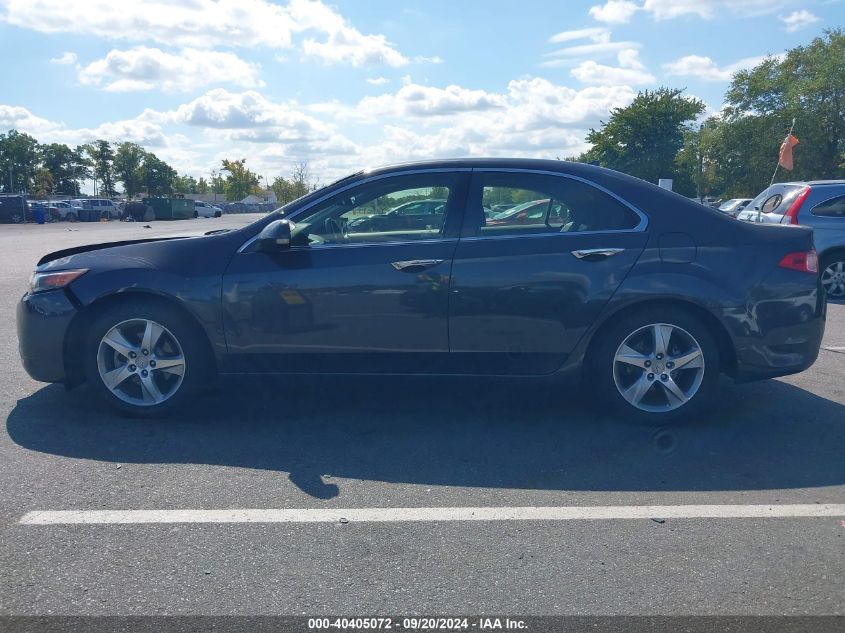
(818, 204)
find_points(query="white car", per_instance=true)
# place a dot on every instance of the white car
(65, 209)
(98, 205)
(206, 210)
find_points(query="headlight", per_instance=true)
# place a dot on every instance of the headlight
(52, 280)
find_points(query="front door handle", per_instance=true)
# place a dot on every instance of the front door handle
(597, 253)
(416, 265)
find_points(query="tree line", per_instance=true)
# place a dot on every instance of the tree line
(734, 153)
(43, 170)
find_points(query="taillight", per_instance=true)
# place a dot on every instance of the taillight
(802, 261)
(795, 207)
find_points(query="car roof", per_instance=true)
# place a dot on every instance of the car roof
(814, 183)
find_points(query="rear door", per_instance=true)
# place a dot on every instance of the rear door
(523, 294)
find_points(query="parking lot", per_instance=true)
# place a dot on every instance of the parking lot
(492, 446)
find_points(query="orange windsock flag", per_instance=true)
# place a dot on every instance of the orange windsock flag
(785, 158)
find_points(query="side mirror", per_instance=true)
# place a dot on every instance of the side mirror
(275, 237)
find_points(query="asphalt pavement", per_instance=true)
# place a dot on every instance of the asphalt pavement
(392, 444)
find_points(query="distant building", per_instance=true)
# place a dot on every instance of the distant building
(263, 196)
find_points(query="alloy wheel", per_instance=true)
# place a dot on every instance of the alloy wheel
(141, 362)
(658, 368)
(833, 279)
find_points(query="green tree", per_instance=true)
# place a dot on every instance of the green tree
(240, 181)
(644, 138)
(19, 159)
(218, 182)
(202, 186)
(43, 183)
(808, 85)
(185, 184)
(128, 167)
(102, 157)
(61, 161)
(157, 175)
(300, 183)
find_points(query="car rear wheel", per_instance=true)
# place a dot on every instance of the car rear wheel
(833, 276)
(658, 365)
(196, 214)
(144, 358)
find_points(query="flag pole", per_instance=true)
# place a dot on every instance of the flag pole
(777, 166)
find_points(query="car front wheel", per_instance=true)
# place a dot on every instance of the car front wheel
(658, 365)
(144, 357)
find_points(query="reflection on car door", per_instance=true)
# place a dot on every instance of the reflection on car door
(371, 302)
(522, 296)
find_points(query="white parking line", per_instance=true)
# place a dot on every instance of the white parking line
(393, 515)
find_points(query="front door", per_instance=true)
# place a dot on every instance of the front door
(527, 282)
(341, 300)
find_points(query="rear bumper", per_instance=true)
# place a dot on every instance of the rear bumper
(780, 331)
(43, 321)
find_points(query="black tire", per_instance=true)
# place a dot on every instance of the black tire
(197, 358)
(217, 214)
(838, 293)
(196, 214)
(603, 365)
(71, 216)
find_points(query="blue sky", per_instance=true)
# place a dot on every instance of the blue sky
(347, 84)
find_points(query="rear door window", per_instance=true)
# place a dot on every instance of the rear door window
(538, 203)
(833, 208)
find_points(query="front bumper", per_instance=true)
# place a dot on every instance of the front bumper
(43, 321)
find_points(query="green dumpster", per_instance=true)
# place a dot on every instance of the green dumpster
(171, 208)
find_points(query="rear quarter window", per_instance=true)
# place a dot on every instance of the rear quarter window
(833, 208)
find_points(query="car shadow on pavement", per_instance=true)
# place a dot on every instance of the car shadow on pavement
(457, 432)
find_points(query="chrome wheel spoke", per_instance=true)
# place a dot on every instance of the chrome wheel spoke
(174, 365)
(637, 391)
(118, 343)
(662, 334)
(151, 392)
(689, 360)
(152, 332)
(112, 379)
(674, 394)
(630, 356)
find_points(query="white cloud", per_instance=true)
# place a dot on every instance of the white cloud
(798, 20)
(208, 23)
(250, 116)
(596, 34)
(630, 72)
(414, 100)
(564, 56)
(621, 11)
(21, 119)
(706, 69)
(64, 59)
(344, 43)
(614, 11)
(142, 68)
(377, 81)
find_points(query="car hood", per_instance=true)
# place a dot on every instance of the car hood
(81, 256)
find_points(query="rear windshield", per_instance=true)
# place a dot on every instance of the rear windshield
(775, 199)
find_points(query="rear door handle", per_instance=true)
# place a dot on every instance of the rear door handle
(597, 253)
(416, 265)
